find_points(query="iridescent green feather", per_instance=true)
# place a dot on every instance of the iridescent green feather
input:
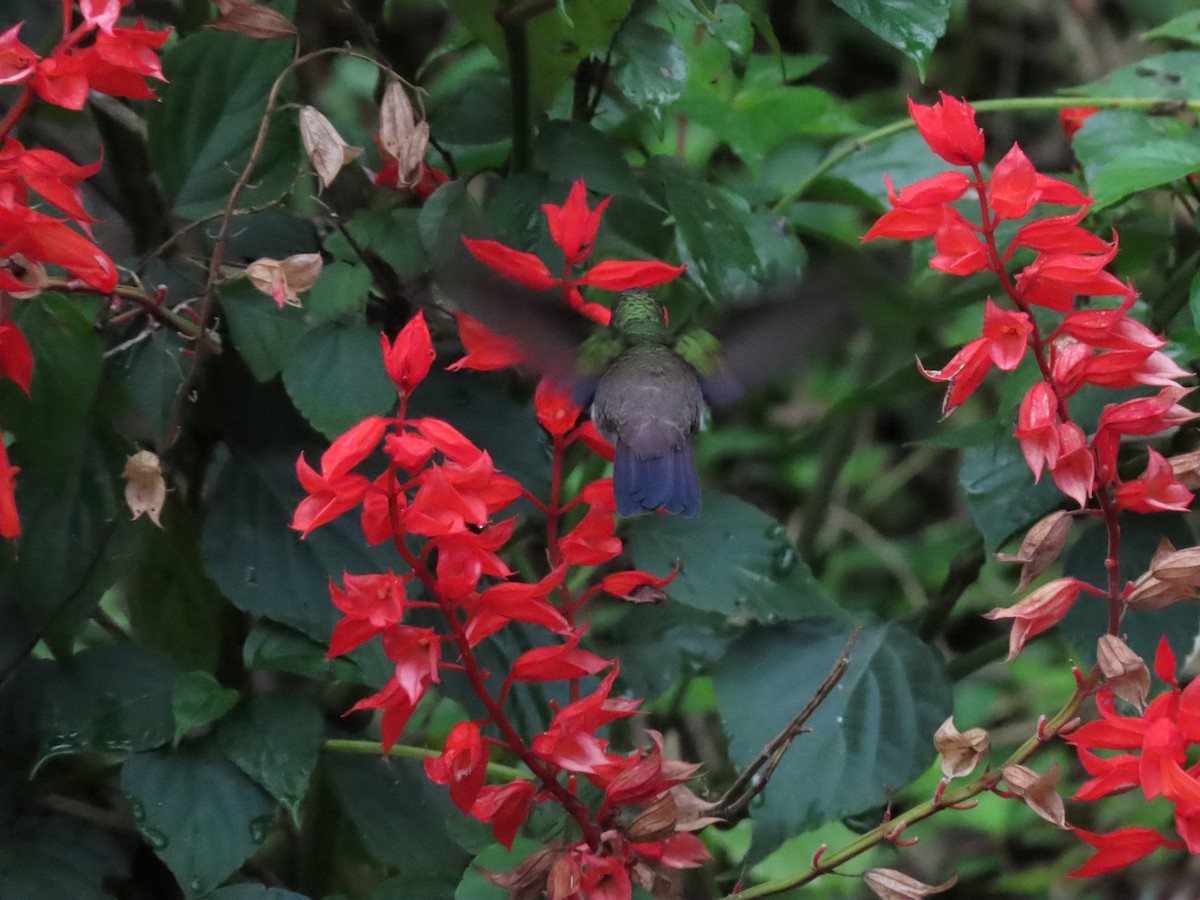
(701, 351)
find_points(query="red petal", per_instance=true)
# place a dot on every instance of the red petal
(523, 268)
(622, 275)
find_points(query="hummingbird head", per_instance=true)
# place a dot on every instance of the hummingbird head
(638, 314)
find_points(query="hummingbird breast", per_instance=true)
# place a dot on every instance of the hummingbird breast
(648, 399)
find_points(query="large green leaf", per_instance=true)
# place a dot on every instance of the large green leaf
(1123, 152)
(275, 739)
(261, 565)
(999, 489)
(198, 700)
(911, 26)
(654, 68)
(44, 858)
(903, 157)
(401, 818)
(734, 559)
(1184, 28)
(570, 150)
(197, 811)
(254, 892)
(265, 336)
(711, 233)
(336, 377)
(1171, 76)
(202, 130)
(108, 698)
(873, 734)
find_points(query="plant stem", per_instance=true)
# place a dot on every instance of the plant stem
(516, 43)
(499, 771)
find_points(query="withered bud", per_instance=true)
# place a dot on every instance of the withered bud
(1041, 547)
(1186, 469)
(28, 272)
(656, 822)
(691, 812)
(1178, 567)
(325, 148)
(252, 20)
(563, 880)
(528, 878)
(659, 880)
(961, 751)
(283, 280)
(401, 136)
(888, 884)
(1151, 593)
(145, 488)
(1126, 671)
(1038, 792)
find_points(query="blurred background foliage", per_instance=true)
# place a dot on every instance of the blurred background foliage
(165, 694)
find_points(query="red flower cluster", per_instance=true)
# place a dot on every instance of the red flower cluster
(573, 228)
(94, 55)
(437, 499)
(1156, 746)
(1101, 347)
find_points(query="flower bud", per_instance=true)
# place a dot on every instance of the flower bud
(1186, 467)
(1126, 672)
(656, 822)
(254, 21)
(1178, 567)
(961, 751)
(401, 136)
(325, 148)
(283, 280)
(1038, 792)
(888, 884)
(145, 489)
(1041, 547)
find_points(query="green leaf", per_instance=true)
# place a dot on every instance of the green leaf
(903, 157)
(275, 739)
(735, 560)
(1171, 76)
(1184, 28)
(276, 648)
(1088, 618)
(45, 858)
(265, 336)
(654, 68)
(108, 698)
(871, 735)
(400, 816)
(732, 27)
(711, 233)
(341, 291)
(999, 489)
(197, 811)
(254, 892)
(1123, 152)
(261, 565)
(475, 886)
(389, 233)
(336, 377)
(152, 372)
(570, 150)
(197, 700)
(201, 132)
(911, 26)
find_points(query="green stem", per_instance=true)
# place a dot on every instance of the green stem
(1009, 104)
(890, 829)
(516, 43)
(371, 748)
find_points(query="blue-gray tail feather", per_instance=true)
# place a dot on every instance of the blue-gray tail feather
(666, 482)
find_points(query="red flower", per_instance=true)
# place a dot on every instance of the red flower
(573, 226)
(559, 661)
(517, 602)
(1008, 333)
(133, 49)
(1040, 610)
(17, 61)
(16, 360)
(555, 409)
(523, 268)
(949, 129)
(1156, 491)
(1012, 189)
(336, 489)
(485, 350)
(1117, 849)
(370, 604)
(1073, 117)
(959, 249)
(462, 765)
(1037, 428)
(965, 372)
(592, 541)
(1074, 469)
(409, 357)
(464, 557)
(505, 808)
(621, 275)
(10, 522)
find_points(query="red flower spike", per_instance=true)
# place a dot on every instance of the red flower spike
(462, 765)
(1012, 189)
(10, 522)
(1156, 491)
(369, 604)
(505, 809)
(16, 359)
(485, 350)
(949, 128)
(1042, 609)
(1037, 428)
(523, 268)
(1117, 849)
(622, 275)
(1074, 471)
(573, 227)
(17, 62)
(409, 357)
(561, 661)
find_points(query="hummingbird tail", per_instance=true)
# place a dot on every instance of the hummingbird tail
(665, 482)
